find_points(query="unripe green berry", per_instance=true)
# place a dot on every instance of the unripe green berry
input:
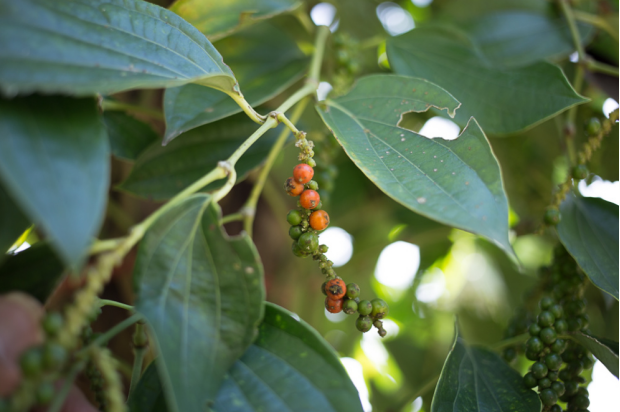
(581, 401)
(574, 324)
(548, 397)
(364, 308)
(558, 388)
(580, 172)
(363, 323)
(509, 354)
(319, 206)
(560, 326)
(553, 361)
(587, 362)
(353, 290)
(553, 375)
(558, 346)
(544, 383)
(556, 311)
(323, 249)
(539, 370)
(532, 355)
(585, 321)
(310, 162)
(308, 242)
(312, 185)
(570, 388)
(379, 308)
(294, 217)
(552, 216)
(54, 356)
(45, 393)
(323, 287)
(555, 408)
(546, 302)
(534, 329)
(545, 318)
(593, 127)
(295, 231)
(31, 362)
(349, 306)
(297, 251)
(529, 380)
(382, 333)
(548, 336)
(52, 323)
(534, 344)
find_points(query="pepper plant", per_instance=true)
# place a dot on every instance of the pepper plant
(139, 146)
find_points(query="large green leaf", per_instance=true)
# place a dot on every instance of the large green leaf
(263, 72)
(455, 182)
(589, 231)
(35, 271)
(513, 37)
(163, 171)
(54, 162)
(502, 100)
(12, 222)
(217, 19)
(475, 379)
(201, 293)
(290, 367)
(84, 47)
(128, 136)
(605, 350)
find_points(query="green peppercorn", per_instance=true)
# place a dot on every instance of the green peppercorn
(585, 321)
(31, 362)
(593, 127)
(580, 172)
(532, 355)
(349, 306)
(548, 397)
(54, 356)
(534, 329)
(312, 185)
(509, 354)
(548, 336)
(323, 249)
(545, 318)
(570, 388)
(552, 216)
(581, 401)
(363, 323)
(558, 388)
(555, 408)
(587, 362)
(553, 361)
(553, 375)
(574, 324)
(534, 344)
(529, 380)
(52, 323)
(319, 206)
(557, 311)
(364, 308)
(353, 290)
(323, 287)
(544, 383)
(294, 232)
(308, 242)
(560, 326)
(294, 217)
(379, 308)
(559, 346)
(546, 302)
(539, 370)
(297, 251)
(45, 393)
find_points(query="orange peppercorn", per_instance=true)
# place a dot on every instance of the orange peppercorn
(309, 199)
(319, 220)
(303, 173)
(333, 305)
(292, 187)
(336, 289)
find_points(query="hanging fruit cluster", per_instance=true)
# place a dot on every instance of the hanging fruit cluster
(558, 361)
(347, 51)
(307, 221)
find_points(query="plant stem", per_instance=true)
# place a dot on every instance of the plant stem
(233, 217)
(246, 107)
(100, 246)
(570, 128)
(574, 31)
(106, 302)
(59, 399)
(248, 210)
(110, 333)
(111, 105)
(140, 342)
(317, 57)
(511, 341)
(597, 21)
(599, 67)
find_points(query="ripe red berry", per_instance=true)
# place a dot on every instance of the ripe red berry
(333, 305)
(303, 173)
(309, 199)
(293, 188)
(319, 220)
(336, 289)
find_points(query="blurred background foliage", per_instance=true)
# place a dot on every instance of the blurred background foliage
(430, 274)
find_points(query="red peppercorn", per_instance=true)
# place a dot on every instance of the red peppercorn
(303, 173)
(333, 305)
(309, 199)
(319, 220)
(292, 187)
(336, 289)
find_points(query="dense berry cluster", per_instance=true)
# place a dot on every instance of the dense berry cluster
(346, 50)
(307, 221)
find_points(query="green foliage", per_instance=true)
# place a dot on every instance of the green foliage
(605, 350)
(201, 293)
(128, 136)
(589, 231)
(54, 163)
(12, 221)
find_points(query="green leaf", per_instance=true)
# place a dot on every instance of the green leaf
(290, 367)
(201, 293)
(502, 100)
(35, 271)
(513, 37)
(163, 171)
(83, 47)
(589, 231)
(262, 71)
(455, 182)
(605, 350)
(54, 162)
(476, 379)
(217, 19)
(128, 136)
(12, 222)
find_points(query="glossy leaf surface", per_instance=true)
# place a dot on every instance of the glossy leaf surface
(262, 72)
(54, 162)
(456, 182)
(83, 47)
(128, 136)
(12, 222)
(605, 350)
(217, 19)
(163, 171)
(589, 231)
(476, 379)
(201, 293)
(502, 100)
